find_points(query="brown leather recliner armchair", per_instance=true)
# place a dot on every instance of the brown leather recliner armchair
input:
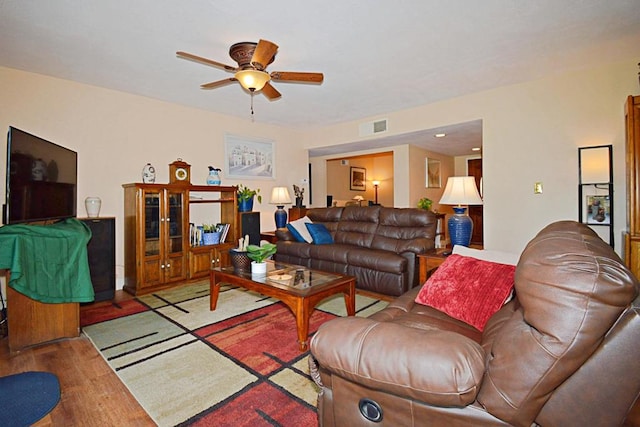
(564, 352)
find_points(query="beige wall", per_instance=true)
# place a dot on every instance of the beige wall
(116, 134)
(531, 132)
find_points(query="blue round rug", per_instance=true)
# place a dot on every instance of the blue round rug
(27, 397)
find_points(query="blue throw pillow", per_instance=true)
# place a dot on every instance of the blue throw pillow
(296, 234)
(319, 233)
(299, 231)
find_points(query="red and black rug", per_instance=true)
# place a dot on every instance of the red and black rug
(235, 366)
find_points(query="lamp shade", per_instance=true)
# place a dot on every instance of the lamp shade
(461, 190)
(280, 196)
(358, 198)
(252, 79)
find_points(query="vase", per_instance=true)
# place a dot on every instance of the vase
(240, 260)
(299, 201)
(211, 238)
(460, 227)
(213, 178)
(148, 174)
(92, 205)
(245, 205)
(258, 268)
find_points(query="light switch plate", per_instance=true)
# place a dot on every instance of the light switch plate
(537, 188)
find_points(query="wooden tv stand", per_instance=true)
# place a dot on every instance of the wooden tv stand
(31, 322)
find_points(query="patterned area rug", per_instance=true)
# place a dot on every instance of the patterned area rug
(236, 366)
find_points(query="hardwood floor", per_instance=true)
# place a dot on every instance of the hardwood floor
(91, 393)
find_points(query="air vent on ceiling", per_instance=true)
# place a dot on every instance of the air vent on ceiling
(372, 128)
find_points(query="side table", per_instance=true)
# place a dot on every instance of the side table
(430, 261)
(269, 236)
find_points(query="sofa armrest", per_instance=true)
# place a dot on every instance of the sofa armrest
(433, 366)
(284, 234)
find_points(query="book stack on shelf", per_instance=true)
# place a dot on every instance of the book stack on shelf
(224, 229)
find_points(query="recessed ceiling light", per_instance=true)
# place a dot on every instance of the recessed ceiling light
(440, 135)
(475, 149)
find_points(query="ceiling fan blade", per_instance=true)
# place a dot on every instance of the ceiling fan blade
(289, 76)
(206, 61)
(263, 55)
(270, 92)
(218, 83)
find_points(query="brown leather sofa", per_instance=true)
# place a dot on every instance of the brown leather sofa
(564, 352)
(377, 245)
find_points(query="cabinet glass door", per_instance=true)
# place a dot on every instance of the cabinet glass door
(174, 221)
(152, 223)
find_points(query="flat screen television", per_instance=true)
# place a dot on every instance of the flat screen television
(41, 179)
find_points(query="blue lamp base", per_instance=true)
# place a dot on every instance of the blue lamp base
(460, 227)
(280, 217)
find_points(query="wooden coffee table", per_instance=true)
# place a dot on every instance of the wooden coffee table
(299, 288)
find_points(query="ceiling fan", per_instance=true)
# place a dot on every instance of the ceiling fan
(253, 59)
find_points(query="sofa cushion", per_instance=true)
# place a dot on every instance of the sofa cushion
(299, 230)
(377, 260)
(468, 289)
(403, 230)
(319, 234)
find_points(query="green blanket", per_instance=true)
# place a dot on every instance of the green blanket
(48, 263)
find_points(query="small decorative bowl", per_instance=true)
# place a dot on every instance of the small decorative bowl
(240, 260)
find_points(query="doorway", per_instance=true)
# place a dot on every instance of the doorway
(474, 168)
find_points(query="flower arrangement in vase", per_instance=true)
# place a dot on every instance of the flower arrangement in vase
(299, 192)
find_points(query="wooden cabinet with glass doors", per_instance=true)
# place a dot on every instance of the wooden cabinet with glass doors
(157, 247)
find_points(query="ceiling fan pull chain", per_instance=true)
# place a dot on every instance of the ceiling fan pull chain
(251, 106)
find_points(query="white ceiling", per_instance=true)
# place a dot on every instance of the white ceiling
(377, 56)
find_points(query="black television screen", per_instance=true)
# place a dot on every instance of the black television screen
(41, 179)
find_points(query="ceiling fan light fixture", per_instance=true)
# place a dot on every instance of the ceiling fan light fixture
(252, 80)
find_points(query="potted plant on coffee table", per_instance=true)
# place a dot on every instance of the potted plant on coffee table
(259, 255)
(245, 198)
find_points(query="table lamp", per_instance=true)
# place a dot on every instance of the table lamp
(280, 197)
(376, 184)
(460, 190)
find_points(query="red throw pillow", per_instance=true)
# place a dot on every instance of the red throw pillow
(468, 289)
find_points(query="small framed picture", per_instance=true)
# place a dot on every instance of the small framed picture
(598, 210)
(358, 179)
(433, 173)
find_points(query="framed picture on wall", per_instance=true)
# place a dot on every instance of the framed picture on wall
(433, 173)
(249, 157)
(358, 179)
(598, 210)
